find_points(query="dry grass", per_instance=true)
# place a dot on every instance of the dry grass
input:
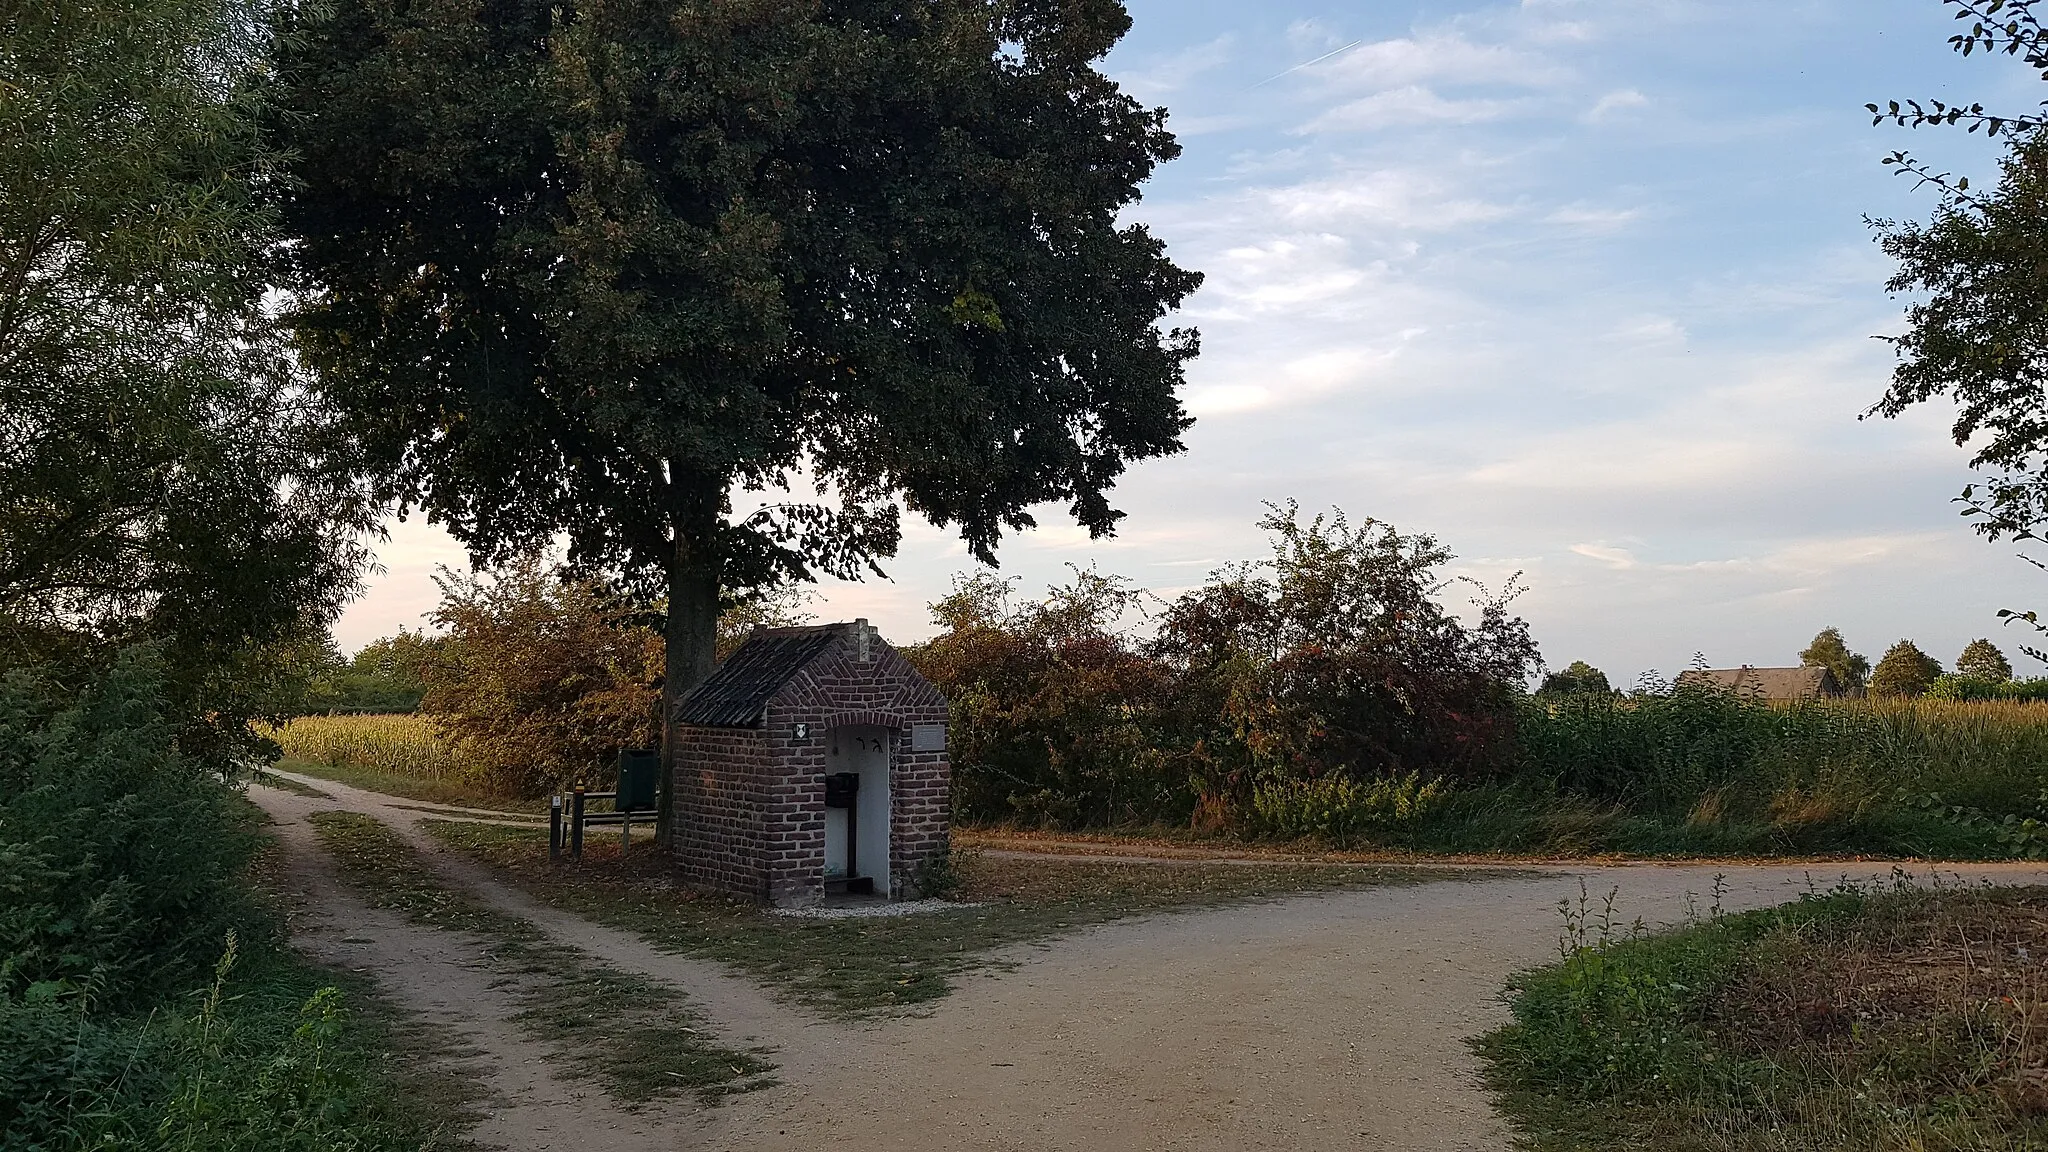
(1903, 1021)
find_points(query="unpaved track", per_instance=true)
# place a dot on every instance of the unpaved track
(1334, 1020)
(445, 979)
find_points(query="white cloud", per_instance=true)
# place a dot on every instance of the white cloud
(1616, 102)
(1412, 106)
(1438, 57)
(1593, 218)
(1170, 74)
(1612, 557)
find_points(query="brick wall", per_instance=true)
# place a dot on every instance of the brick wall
(721, 781)
(751, 802)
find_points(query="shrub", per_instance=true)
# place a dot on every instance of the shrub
(540, 680)
(272, 1062)
(1052, 706)
(1337, 657)
(120, 855)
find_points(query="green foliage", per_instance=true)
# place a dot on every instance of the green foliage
(120, 855)
(387, 675)
(1338, 657)
(265, 1059)
(162, 477)
(1579, 677)
(539, 681)
(1338, 809)
(582, 271)
(1904, 671)
(1837, 1023)
(1982, 660)
(1051, 705)
(1829, 651)
(1954, 686)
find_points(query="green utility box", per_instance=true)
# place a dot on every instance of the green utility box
(639, 773)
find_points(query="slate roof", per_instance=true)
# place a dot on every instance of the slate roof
(1767, 683)
(737, 694)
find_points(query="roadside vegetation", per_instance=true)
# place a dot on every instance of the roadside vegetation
(1863, 1019)
(861, 965)
(147, 999)
(632, 1035)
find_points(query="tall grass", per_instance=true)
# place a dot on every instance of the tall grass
(1710, 756)
(405, 745)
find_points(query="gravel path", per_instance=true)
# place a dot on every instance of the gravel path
(1333, 1020)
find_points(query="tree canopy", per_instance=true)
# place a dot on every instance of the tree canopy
(1904, 671)
(1982, 660)
(162, 476)
(626, 273)
(1977, 328)
(1830, 651)
(1577, 677)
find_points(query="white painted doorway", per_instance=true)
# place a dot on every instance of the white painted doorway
(864, 751)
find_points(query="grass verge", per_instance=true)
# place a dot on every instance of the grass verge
(276, 1054)
(632, 1035)
(419, 788)
(853, 966)
(282, 783)
(1894, 1020)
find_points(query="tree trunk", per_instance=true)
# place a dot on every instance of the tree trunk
(690, 636)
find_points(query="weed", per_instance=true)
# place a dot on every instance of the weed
(1886, 1018)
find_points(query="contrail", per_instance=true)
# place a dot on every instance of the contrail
(1308, 64)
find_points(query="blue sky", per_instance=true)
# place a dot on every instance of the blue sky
(1582, 287)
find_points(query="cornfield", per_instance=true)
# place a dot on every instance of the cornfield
(407, 745)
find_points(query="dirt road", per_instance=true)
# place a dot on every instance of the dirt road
(1336, 1020)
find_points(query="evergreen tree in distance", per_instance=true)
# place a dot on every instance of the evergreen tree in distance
(1981, 660)
(1829, 651)
(624, 272)
(1904, 671)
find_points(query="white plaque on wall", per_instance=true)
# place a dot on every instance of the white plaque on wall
(927, 737)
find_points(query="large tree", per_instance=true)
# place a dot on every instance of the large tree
(1831, 652)
(162, 476)
(1904, 671)
(1977, 331)
(1982, 660)
(619, 271)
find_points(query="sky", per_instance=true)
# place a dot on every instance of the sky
(1584, 288)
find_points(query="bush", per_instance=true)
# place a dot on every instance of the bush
(540, 680)
(120, 855)
(1052, 706)
(270, 1061)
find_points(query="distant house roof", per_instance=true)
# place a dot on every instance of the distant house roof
(1767, 683)
(738, 693)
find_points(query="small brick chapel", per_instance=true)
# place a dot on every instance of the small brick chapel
(812, 762)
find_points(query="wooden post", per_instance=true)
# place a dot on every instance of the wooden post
(576, 823)
(554, 828)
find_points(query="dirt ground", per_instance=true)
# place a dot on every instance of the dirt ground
(1333, 1020)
